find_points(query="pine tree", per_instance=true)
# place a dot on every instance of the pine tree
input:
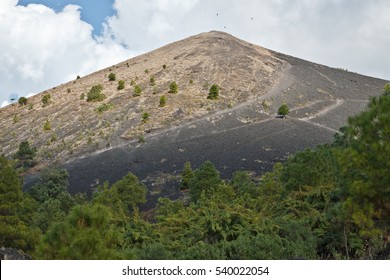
(283, 110)
(186, 175)
(14, 232)
(173, 88)
(163, 101)
(213, 92)
(206, 180)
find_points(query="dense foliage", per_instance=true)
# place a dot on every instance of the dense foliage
(283, 110)
(331, 202)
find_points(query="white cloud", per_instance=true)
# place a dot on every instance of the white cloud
(41, 48)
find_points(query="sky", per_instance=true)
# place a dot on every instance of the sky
(48, 42)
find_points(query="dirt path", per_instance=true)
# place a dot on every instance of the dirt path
(324, 111)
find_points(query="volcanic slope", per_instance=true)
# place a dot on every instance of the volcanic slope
(237, 131)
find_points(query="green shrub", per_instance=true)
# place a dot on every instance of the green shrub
(30, 106)
(173, 88)
(121, 84)
(104, 107)
(78, 77)
(22, 101)
(152, 81)
(111, 77)
(387, 89)
(213, 92)
(132, 82)
(141, 139)
(95, 93)
(146, 71)
(163, 101)
(283, 110)
(47, 126)
(145, 117)
(46, 99)
(82, 96)
(164, 66)
(16, 119)
(137, 90)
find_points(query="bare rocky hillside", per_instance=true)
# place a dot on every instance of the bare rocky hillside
(242, 71)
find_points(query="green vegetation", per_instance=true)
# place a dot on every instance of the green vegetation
(283, 110)
(22, 101)
(121, 84)
(164, 66)
(46, 99)
(152, 81)
(47, 125)
(111, 77)
(163, 101)
(213, 92)
(387, 89)
(95, 93)
(141, 139)
(145, 117)
(173, 88)
(104, 107)
(15, 119)
(137, 90)
(25, 155)
(186, 176)
(82, 96)
(14, 229)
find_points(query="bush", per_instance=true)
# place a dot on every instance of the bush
(104, 107)
(22, 101)
(213, 92)
(46, 100)
(95, 93)
(141, 139)
(152, 81)
(145, 117)
(47, 126)
(173, 87)
(283, 110)
(164, 66)
(137, 90)
(387, 89)
(163, 101)
(111, 77)
(82, 96)
(121, 84)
